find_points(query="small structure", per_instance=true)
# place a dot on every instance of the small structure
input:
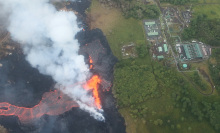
(192, 51)
(151, 28)
(153, 34)
(185, 66)
(160, 57)
(150, 24)
(160, 49)
(165, 48)
(129, 50)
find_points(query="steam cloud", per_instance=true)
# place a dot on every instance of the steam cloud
(47, 38)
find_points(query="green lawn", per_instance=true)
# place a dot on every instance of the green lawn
(144, 88)
(128, 30)
(208, 1)
(161, 107)
(212, 11)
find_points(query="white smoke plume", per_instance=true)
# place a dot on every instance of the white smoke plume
(47, 38)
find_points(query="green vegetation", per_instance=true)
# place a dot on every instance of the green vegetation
(140, 11)
(177, 2)
(142, 50)
(135, 82)
(211, 11)
(197, 79)
(136, 9)
(214, 68)
(163, 98)
(126, 31)
(203, 29)
(155, 98)
(209, 1)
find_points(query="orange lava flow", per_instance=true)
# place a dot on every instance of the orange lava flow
(92, 84)
(90, 63)
(52, 103)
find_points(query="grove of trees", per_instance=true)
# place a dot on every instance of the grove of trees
(215, 68)
(137, 9)
(136, 83)
(203, 29)
(177, 2)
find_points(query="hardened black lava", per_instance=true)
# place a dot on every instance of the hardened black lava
(22, 85)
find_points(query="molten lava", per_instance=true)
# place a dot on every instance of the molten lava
(52, 103)
(90, 63)
(92, 84)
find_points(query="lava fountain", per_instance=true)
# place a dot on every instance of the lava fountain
(93, 84)
(52, 103)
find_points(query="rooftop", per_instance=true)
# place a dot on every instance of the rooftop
(160, 57)
(184, 65)
(153, 34)
(160, 49)
(192, 51)
(165, 47)
(150, 23)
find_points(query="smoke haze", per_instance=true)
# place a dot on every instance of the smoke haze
(47, 39)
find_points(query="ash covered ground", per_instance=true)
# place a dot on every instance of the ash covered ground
(24, 86)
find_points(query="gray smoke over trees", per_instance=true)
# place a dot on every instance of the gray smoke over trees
(47, 39)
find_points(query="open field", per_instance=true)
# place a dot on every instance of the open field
(164, 107)
(174, 120)
(118, 30)
(147, 92)
(209, 1)
(212, 11)
(102, 17)
(206, 77)
(206, 90)
(126, 31)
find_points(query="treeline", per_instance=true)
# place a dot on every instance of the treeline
(200, 109)
(203, 29)
(142, 50)
(139, 10)
(135, 83)
(177, 2)
(214, 68)
(198, 81)
(204, 109)
(135, 9)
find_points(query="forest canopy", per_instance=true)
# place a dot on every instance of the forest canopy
(203, 29)
(177, 2)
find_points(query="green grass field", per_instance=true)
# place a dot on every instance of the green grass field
(123, 31)
(118, 30)
(128, 30)
(163, 108)
(208, 1)
(212, 11)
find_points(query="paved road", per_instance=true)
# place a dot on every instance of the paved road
(176, 62)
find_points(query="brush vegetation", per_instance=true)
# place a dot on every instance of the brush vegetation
(134, 8)
(153, 97)
(178, 2)
(203, 29)
(156, 98)
(214, 68)
(118, 30)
